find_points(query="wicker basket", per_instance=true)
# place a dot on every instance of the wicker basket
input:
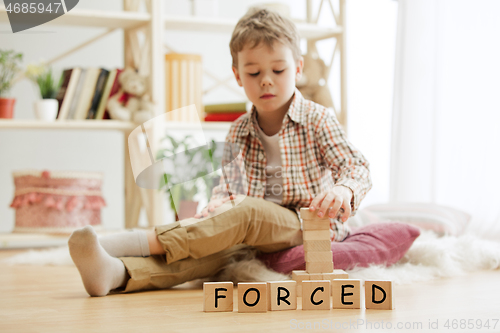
(56, 202)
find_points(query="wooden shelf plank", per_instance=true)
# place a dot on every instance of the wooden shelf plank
(125, 20)
(67, 124)
(102, 125)
(21, 240)
(221, 25)
(94, 18)
(209, 125)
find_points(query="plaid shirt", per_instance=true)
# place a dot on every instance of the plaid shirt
(315, 156)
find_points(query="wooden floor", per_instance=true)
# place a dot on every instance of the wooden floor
(52, 299)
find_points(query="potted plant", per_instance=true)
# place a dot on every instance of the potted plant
(188, 173)
(9, 67)
(47, 107)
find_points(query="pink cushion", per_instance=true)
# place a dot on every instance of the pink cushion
(443, 220)
(379, 244)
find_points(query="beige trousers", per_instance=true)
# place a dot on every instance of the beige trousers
(198, 248)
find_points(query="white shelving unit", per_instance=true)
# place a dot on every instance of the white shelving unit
(146, 52)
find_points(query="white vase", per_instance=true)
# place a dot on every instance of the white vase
(46, 109)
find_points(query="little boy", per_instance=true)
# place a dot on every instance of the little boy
(295, 155)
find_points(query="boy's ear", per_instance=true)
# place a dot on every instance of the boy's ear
(237, 76)
(300, 66)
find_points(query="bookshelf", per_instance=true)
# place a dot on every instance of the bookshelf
(144, 50)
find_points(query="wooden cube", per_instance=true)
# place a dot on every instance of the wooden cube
(300, 276)
(346, 294)
(315, 276)
(318, 245)
(218, 296)
(252, 297)
(319, 256)
(319, 267)
(306, 214)
(316, 235)
(316, 224)
(378, 295)
(337, 274)
(282, 295)
(316, 295)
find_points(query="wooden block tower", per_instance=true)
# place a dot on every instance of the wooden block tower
(317, 250)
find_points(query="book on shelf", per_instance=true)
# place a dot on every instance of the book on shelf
(228, 107)
(66, 75)
(111, 88)
(86, 93)
(101, 107)
(230, 116)
(62, 89)
(67, 91)
(76, 95)
(98, 92)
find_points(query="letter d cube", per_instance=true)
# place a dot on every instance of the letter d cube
(378, 295)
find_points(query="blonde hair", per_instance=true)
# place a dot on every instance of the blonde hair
(263, 25)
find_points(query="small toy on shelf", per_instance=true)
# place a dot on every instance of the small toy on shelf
(312, 84)
(132, 101)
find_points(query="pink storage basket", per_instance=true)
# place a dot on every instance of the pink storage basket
(56, 202)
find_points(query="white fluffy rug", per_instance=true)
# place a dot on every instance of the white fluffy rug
(429, 257)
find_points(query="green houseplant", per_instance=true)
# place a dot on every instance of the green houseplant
(41, 75)
(189, 173)
(9, 67)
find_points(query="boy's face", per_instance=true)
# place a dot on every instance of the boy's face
(268, 76)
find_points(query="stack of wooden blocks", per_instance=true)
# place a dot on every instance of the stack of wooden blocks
(317, 250)
(315, 285)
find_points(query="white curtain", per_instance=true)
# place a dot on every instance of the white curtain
(446, 116)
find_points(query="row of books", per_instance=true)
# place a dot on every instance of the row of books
(84, 92)
(226, 112)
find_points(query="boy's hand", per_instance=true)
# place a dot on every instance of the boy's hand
(339, 198)
(212, 205)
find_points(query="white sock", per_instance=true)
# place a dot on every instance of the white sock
(100, 272)
(130, 243)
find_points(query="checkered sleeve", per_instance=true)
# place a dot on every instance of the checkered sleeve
(349, 167)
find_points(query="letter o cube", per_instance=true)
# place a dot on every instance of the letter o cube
(252, 297)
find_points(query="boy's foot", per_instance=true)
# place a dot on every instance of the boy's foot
(100, 272)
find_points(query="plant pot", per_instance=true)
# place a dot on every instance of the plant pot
(7, 108)
(46, 109)
(187, 209)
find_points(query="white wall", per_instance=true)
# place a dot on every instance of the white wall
(446, 111)
(371, 37)
(370, 50)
